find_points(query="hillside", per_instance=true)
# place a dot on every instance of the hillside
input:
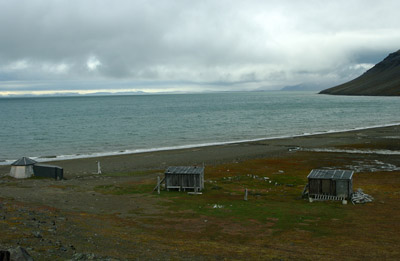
(381, 80)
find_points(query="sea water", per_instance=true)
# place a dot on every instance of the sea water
(46, 128)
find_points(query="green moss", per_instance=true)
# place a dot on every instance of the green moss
(16, 184)
(132, 173)
(124, 189)
(37, 177)
(283, 210)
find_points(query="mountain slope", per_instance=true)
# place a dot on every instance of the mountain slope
(381, 80)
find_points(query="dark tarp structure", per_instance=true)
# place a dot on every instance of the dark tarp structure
(48, 171)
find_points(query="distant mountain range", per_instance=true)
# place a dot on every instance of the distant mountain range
(304, 87)
(381, 80)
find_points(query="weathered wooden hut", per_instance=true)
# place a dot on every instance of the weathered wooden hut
(330, 184)
(183, 178)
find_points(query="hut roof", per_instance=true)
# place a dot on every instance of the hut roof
(24, 161)
(48, 166)
(184, 170)
(330, 174)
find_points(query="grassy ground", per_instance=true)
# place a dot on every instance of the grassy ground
(275, 223)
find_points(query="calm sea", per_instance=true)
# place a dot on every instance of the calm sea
(71, 127)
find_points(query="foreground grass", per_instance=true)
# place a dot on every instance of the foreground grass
(274, 223)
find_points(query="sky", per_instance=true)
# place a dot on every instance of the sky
(85, 46)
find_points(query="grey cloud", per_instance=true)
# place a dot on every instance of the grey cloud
(193, 41)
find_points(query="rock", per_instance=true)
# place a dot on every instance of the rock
(19, 254)
(77, 256)
(4, 255)
(81, 256)
(37, 234)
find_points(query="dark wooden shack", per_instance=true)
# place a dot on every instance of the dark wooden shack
(48, 171)
(183, 178)
(330, 184)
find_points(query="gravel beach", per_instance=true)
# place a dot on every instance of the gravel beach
(235, 152)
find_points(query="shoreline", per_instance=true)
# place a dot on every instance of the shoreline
(53, 158)
(220, 154)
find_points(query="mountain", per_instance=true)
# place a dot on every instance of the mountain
(303, 87)
(381, 80)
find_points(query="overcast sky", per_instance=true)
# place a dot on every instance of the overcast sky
(156, 45)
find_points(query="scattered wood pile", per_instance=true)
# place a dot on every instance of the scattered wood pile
(359, 197)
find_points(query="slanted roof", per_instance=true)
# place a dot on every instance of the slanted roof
(48, 166)
(330, 174)
(24, 161)
(185, 170)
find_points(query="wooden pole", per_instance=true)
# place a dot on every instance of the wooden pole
(245, 194)
(158, 185)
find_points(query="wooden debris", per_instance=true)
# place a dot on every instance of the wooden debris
(359, 197)
(304, 194)
(195, 193)
(158, 185)
(326, 197)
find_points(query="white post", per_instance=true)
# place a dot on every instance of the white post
(98, 167)
(245, 194)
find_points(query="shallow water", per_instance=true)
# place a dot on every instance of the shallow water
(70, 127)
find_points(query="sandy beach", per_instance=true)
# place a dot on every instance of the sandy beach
(78, 217)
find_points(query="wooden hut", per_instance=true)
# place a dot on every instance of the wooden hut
(330, 184)
(183, 178)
